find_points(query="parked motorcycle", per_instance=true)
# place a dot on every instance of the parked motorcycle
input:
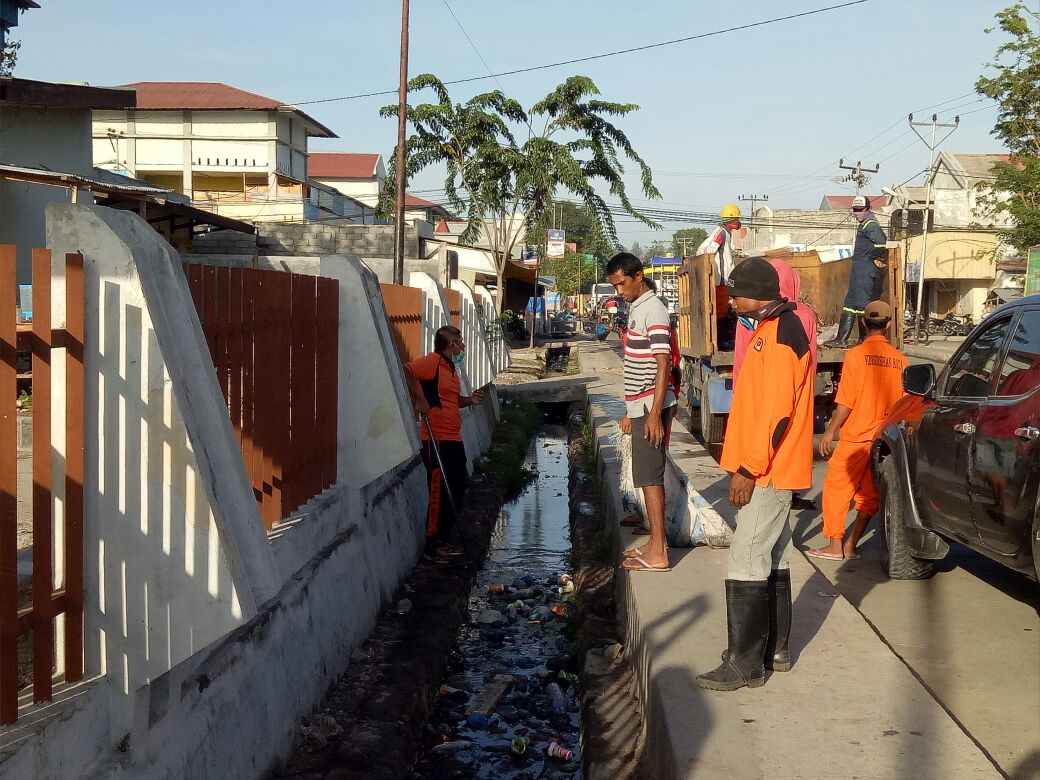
(958, 324)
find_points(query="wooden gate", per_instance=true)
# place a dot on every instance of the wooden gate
(33, 631)
(274, 340)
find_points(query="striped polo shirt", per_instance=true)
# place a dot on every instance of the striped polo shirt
(646, 336)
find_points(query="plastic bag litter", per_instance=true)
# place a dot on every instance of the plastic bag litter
(689, 518)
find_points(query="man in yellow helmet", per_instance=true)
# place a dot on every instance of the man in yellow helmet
(720, 244)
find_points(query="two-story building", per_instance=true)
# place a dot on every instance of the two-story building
(232, 152)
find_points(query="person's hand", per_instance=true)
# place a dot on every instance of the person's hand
(740, 490)
(653, 431)
(422, 406)
(826, 446)
(625, 423)
(478, 396)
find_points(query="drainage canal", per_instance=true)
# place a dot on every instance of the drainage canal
(507, 707)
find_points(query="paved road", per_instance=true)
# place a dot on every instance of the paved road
(971, 633)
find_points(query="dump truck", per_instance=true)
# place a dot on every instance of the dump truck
(707, 371)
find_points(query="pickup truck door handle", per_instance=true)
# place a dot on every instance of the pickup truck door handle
(964, 428)
(1028, 433)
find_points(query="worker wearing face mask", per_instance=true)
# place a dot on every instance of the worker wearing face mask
(435, 389)
(869, 259)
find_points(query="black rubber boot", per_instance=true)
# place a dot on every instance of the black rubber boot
(862, 329)
(777, 655)
(747, 613)
(845, 324)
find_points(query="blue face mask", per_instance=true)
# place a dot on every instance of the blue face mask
(746, 321)
(459, 359)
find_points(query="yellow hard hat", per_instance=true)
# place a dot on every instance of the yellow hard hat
(730, 211)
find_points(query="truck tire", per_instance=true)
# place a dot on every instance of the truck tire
(896, 560)
(712, 425)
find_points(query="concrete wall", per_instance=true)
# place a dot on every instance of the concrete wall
(65, 146)
(208, 639)
(366, 241)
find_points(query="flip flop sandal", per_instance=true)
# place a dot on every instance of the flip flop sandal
(640, 532)
(825, 556)
(643, 565)
(632, 520)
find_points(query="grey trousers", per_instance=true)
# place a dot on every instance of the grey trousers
(762, 541)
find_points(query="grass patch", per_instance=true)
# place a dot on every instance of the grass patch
(505, 458)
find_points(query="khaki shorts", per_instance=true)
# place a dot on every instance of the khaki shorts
(648, 460)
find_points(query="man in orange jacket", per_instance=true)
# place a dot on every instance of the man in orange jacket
(871, 381)
(768, 450)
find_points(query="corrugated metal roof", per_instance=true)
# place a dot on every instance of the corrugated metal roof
(342, 165)
(57, 178)
(211, 96)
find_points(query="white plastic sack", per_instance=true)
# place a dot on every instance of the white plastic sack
(689, 519)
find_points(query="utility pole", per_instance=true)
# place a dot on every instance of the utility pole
(400, 162)
(753, 199)
(857, 173)
(932, 145)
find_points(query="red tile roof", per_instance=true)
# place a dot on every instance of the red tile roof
(839, 202)
(414, 200)
(204, 95)
(210, 96)
(342, 165)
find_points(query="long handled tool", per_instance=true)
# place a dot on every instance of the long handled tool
(444, 480)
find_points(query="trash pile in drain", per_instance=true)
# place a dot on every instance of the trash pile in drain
(509, 706)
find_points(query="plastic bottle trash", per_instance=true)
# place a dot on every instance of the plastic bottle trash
(560, 610)
(518, 745)
(498, 587)
(556, 750)
(557, 700)
(565, 578)
(479, 721)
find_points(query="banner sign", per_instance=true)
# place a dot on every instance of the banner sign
(1033, 271)
(554, 243)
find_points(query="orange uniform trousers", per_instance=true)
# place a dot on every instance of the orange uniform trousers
(848, 479)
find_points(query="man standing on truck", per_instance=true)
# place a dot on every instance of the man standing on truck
(768, 452)
(869, 258)
(720, 244)
(871, 381)
(649, 400)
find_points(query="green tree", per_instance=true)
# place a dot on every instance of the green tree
(571, 269)
(503, 185)
(656, 249)
(636, 250)
(9, 57)
(686, 241)
(1015, 84)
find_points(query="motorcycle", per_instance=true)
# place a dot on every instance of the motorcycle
(958, 324)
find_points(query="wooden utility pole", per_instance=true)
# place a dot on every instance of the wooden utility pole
(400, 162)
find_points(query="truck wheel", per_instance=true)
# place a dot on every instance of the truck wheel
(712, 425)
(896, 560)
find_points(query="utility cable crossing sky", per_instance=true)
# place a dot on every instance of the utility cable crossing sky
(604, 55)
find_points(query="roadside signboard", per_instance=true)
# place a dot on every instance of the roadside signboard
(1033, 271)
(554, 243)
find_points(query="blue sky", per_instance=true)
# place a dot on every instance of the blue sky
(767, 110)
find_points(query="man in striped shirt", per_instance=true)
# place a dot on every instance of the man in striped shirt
(649, 400)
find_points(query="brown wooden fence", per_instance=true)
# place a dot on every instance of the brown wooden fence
(404, 310)
(23, 621)
(454, 298)
(274, 341)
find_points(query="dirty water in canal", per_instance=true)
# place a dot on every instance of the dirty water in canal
(507, 707)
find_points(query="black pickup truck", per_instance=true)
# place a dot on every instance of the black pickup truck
(958, 458)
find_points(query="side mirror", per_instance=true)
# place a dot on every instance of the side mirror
(919, 379)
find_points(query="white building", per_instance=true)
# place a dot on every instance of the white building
(44, 126)
(361, 176)
(233, 152)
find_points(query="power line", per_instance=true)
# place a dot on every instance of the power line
(473, 45)
(605, 55)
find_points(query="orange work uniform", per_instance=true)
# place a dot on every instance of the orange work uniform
(769, 434)
(871, 381)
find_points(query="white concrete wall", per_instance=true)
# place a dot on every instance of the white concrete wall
(501, 355)
(162, 469)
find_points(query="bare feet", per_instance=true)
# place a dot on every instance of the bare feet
(848, 549)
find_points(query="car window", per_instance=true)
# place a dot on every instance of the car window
(1020, 372)
(972, 374)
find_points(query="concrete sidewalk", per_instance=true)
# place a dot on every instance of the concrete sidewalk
(848, 708)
